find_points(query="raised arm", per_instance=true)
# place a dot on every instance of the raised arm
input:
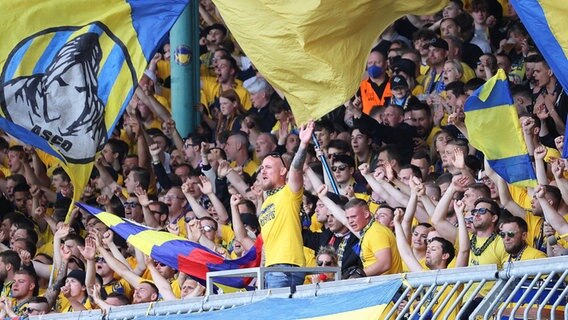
(241, 234)
(206, 188)
(558, 167)
(539, 155)
(162, 283)
(149, 218)
(402, 243)
(462, 259)
(375, 181)
(336, 210)
(551, 215)
(296, 174)
(224, 170)
(88, 252)
(122, 270)
(504, 193)
(447, 230)
(195, 206)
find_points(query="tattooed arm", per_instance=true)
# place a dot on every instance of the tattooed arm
(296, 174)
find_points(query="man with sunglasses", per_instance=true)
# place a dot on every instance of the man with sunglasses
(37, 306)
(514, 234)
(343, 167)
(280, 213)
(486, 246)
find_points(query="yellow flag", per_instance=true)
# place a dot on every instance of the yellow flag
(314, 51)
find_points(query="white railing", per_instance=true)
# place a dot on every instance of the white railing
(532, 289)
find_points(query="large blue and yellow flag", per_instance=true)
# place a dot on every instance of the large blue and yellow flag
(69, 69)
(314, 51)
(179, 253)
(368, 303)
(494, 128)
(546, 22)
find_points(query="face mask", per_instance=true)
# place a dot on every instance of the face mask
(375, 71)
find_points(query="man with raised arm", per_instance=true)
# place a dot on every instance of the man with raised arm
(280, 213)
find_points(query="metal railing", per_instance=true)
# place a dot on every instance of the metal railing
(532, 289)
(258, 274)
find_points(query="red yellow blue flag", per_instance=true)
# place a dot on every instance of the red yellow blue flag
(494, 128)
(179, 253)
(69, 68)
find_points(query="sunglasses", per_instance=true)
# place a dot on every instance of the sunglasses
(171, 197)
(342, 167)
(277, 155)
(160, 264)
(468, 220)
(480, 211)
(510, 234)
(323, 263)
(188, 145)
(208, 228)
(130, 204)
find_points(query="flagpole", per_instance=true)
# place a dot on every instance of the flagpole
(184, 44)
(325, 166)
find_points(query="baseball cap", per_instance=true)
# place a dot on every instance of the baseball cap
(439, 43)
(405, 65)
(398, 82)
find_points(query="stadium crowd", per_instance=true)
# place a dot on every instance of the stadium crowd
(413, 194)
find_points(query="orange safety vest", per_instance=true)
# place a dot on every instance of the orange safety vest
(369, 97)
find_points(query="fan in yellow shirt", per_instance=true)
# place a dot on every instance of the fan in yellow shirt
(279, 217)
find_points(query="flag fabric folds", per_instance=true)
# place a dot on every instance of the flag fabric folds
(69, 70)
(176, 252)
(368, 303)
(314, 51)
(494, 128)
(546, 22)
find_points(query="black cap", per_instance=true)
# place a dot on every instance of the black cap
(398, 82)
(405, 65)
(78, 275)
(440, 43)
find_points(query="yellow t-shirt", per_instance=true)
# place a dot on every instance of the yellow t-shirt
(529, 253)
(520, 196)
(379, 237)
(211, 89)
(494, 254)
(250, 167)
(281, 228)
(422, 264)
(315, 225)
(119, 286)
(534, 227)
(468, 73)
(64, 305)
(164, 70)
(227, 235)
